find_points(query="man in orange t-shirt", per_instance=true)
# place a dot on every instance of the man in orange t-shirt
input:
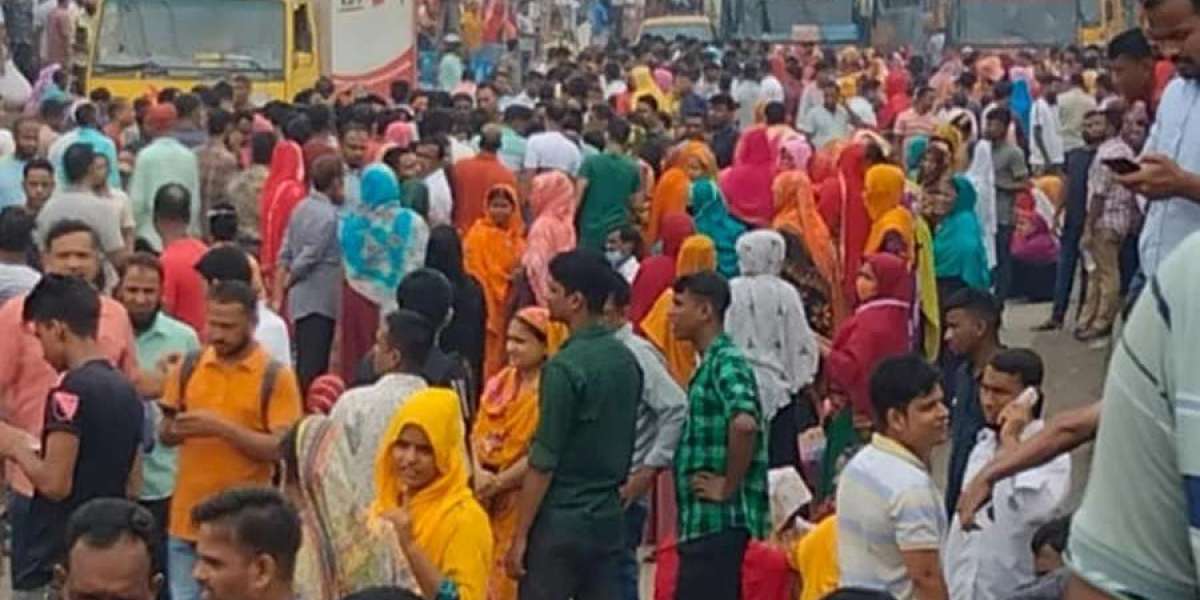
(227, 416)
(473, 177)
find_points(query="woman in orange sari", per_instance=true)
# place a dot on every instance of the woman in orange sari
(698, 253)
(492, 253)
(504, 427)
(796, 213)
(672, 188)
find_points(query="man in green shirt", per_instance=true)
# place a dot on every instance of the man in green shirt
(159, 338)
(605, 188)
(570, 529)
(721, 462)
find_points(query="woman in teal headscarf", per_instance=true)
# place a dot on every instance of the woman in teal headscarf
(958, 250)
(914, 154)
(381, 242)
(710, 213)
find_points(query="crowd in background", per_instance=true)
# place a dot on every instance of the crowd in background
(706, 307)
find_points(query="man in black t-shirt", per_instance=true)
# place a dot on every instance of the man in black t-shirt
(93, 425)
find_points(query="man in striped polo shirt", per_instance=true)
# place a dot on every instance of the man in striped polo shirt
(891, 522)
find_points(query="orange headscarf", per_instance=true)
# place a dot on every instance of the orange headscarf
(698, 253)
(796, 212)
(491, 254)
(671, 192)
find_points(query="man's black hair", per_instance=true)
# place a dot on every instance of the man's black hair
(186, 105)
(260, 519)
(222, 90)
(1131, 44)
(428, 293)
(399, 90)
(235, 292)
(776, 113)
(262, 146)
(102, 522)
(709, 286)
(68, 300)
(143, 260)
(412, 334)
(219, 121)
(650, 101)
(585, 272)
(87, 114)
(16, 229)
(1055, 534)
(1000, 115)
(325, 171)
(620, 293)
(853, 593)
(65, 227)
(223, 222)
(320, 116)
(490, 139)
(1002, 89)
(173, 204)
(899, 380)
(517, 112)
(724, 100)
(1024, 363)
(298, 129)
(979, 304)
(77, 161)
(225, 263)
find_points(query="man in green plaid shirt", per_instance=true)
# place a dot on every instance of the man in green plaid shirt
(721, 463)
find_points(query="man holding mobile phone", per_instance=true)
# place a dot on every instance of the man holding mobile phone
(1112, 214)
(992, 559)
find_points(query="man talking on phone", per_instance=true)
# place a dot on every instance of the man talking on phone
(992, 559)
(161, 342)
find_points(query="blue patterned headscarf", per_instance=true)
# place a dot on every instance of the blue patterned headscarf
(381, 240)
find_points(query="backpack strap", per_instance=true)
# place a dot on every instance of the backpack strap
(270, 376)
(186, 369)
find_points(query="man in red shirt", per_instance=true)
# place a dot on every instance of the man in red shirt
(474, 177)
(183, 288)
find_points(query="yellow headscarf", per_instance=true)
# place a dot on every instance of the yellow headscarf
(882, 192)
(644, 85)
(448, 524)
(697, 253)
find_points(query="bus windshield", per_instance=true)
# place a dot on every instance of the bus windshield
(191, 35)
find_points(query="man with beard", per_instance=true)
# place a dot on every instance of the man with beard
(27, 378)
(160, 340)
(12, 167)
(227, 409)
(1170, 164)
(1078, 161)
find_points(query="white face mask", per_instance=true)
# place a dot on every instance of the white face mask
(615, 257)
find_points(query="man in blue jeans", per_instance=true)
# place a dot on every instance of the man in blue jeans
(1077, 163)
(660, 416)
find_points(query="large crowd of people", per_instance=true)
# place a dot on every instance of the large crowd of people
(706, 307)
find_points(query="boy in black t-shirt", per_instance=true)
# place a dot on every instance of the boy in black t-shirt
(93, 425)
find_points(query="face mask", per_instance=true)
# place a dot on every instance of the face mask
(615, 257)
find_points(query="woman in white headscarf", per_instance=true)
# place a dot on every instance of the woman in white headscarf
(766, 320)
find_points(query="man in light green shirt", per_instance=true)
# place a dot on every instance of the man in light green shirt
(165, 160)
(159, 339)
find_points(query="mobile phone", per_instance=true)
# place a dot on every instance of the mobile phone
(1121, 166)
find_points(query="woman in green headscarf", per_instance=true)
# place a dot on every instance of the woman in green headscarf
(710, 213)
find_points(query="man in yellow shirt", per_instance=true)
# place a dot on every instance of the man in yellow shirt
(226, 408)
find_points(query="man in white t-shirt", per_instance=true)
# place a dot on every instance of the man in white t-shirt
(1046, 143)
(432, 153)
(551, 149)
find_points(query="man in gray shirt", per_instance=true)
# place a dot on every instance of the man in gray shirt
(310, 264)
(660, 416)
(1012, 176)
(77, 201)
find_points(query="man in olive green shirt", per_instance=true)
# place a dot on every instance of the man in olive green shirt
(570, 529)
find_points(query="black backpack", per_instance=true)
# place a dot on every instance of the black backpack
(270, 376)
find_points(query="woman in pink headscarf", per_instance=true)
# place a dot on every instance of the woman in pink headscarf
(552, 199)
(746, 185)
(895, 89)
(399, 134)
(665, 80)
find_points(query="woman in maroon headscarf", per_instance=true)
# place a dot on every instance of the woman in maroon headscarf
(746, 185)
(657, 273)
(841, 205)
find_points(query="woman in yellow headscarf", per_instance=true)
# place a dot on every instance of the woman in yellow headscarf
(892, 228)
(645, 86)
(503, 430)
(421, 488)
(698, 253)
